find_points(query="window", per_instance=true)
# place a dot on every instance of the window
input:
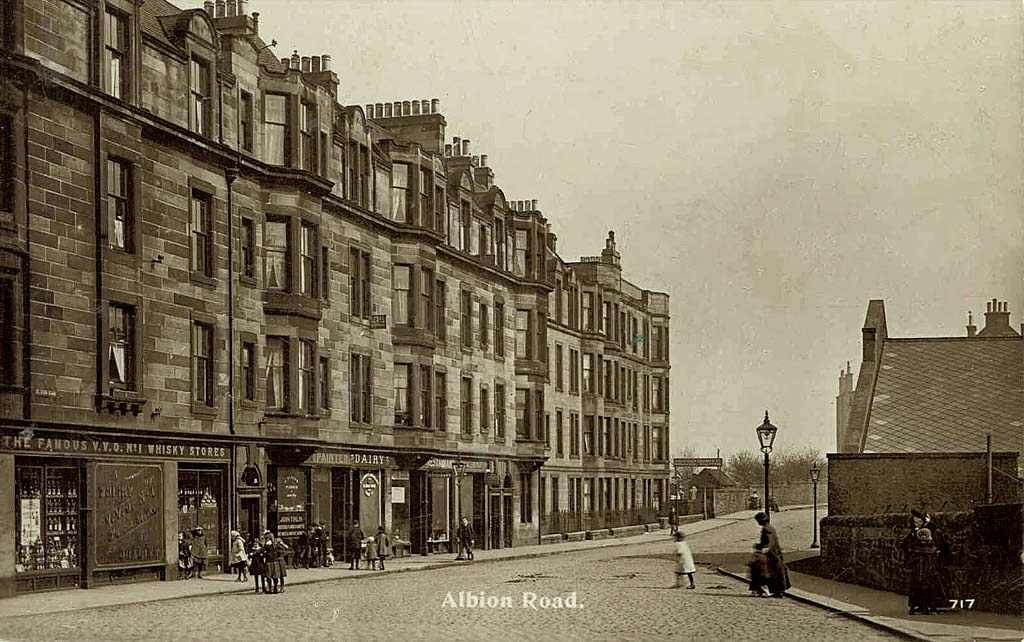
(400, 302)
(588, 435)
(115, 54)
(8, 160)
(607, 319)
(574, 434)
(519, 267)
(275, 129)
(248, 371)
(245, 118)
(307, 377)
(201, 99)
(574, 371)
(119, 215)
(202, 228)
(426, 397)
(656, 443)
(308, 138)
(121, 347)
(439, 210)
(485, 410)
(466, 220)
(484, 327)
(403, 395)
(647, 392)
(588, 311)
(606, 436)
(277, 373)
(324, 379)
(526, 498)
(427, 298)
(325, 272)
(399, 191)
(202, 363)
(248, 248)
(276, 255)
(499, 410)
(308, 250)
(440, 310)
(574, 307)
(538, 414)
(499, 328)
(555, 505)
(466, 403)
(467, 320)
(360, 389)
(523, 348)
(588, 373)
(559, 375)
(523, 413)
(656, 393)
(559, 436)
(359, 283)
(426, 215)
(499, 242)
(441, 399)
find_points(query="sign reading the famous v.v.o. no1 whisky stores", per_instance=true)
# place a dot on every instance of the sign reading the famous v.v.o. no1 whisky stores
(129, 515)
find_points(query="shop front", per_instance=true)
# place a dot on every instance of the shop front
(443, 491)
(91, 509)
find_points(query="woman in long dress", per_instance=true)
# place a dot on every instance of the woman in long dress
(774, 576)
(920, 553)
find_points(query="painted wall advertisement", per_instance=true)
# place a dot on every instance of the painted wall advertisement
(292, 492)
(129, 514)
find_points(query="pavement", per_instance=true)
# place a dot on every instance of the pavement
(726, 549)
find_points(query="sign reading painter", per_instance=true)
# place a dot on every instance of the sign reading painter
(129, 514)
(352, 459)
(30, 441)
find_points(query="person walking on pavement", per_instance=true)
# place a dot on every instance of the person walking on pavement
(466, 539)
(684, 561)
(238, 560)
(383, 545)
(920, 552)
(775, 577)
(355, 545)
(199, 552)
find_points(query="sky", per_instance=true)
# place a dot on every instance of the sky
(772, 166)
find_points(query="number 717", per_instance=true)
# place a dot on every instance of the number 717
(961, 604)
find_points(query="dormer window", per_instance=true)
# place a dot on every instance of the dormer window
(307, 138)
(275, 129)
(199, 79)
(115, 54)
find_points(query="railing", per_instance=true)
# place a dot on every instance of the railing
(565, 521)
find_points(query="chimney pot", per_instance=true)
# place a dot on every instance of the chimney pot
(369, 110)
(325, 60)
(406, 108)
(475, 161)
(435, 105)
(314, 64)
(387, 110)
(424, 106)
(305, 64)
(415, 108)
(286, 62)
(208, 7)
(219, 9)
(295, 60)
(448, 149)
(397, 109)
(465, 147)
(243, 8)
(483, 160)
(533, 205)
(378, 109)
(230, 8)
(256, 21)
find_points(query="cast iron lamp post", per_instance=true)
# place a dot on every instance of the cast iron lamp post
(458, 468)
(766, 435)
(814, 478)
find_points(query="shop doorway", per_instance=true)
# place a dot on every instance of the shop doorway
(249, 518)
(344, 509)
(494, 539)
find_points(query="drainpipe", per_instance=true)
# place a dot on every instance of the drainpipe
(230, 174)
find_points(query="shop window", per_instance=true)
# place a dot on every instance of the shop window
(277, 373)
(115, 54)
(47, 528)
(121, 347)
(200, 504)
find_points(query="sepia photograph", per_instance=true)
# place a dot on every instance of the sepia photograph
(511, 320)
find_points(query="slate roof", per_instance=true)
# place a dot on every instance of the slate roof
(150, 14)
(945, 395)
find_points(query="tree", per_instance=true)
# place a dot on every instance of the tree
(795, 465)
(746, 468)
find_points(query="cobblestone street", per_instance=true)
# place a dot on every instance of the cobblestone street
(620, 592)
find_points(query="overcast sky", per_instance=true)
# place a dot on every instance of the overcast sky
(773, 166)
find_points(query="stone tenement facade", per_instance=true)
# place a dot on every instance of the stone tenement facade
(229, 300)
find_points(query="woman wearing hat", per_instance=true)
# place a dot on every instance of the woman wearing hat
(775, 576)
(238, 559)
(920, 552)
(258, 565)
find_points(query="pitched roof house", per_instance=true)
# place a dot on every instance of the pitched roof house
(919, 395)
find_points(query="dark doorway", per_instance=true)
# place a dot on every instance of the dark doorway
(249, 517)
(344, 509)
(494, 540)
(507, 519)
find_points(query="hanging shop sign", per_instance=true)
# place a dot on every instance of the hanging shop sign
(351, 459)
(54, 443)
(129, 515)
(369, 484)
(447, 464)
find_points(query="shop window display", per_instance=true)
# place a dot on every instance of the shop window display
(199, 504)
(48, 520)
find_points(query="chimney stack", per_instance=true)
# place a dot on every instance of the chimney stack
(406, 108)
(378, 109)
(533, 205)
(456, 146)
(972, 330)
(256, 22)
(997, 320)
(387, 110)
(415, 108)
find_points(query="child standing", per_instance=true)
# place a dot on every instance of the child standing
(684, 561)
(184, 556)
(383, 545)
(371, 552)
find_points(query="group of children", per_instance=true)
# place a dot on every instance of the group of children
(373, 550)
(191, 553)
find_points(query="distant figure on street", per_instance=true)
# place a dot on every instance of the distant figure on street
(684, 561)
(304, 548)
(673, 520)
(371, 552)
(199, 552)
(465, 537)
(383, 545)
(754, 503)
(355, 546)
(184, 556)
(772, 573)
(920, 551)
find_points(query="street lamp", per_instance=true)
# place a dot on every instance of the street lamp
(814, 478)
(766, 435)
(458, 468)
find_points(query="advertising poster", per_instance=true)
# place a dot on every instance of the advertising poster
(129, 514)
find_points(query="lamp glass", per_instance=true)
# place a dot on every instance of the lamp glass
(814, 473)
(766, 434)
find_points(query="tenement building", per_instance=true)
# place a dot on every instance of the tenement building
(229, 300)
